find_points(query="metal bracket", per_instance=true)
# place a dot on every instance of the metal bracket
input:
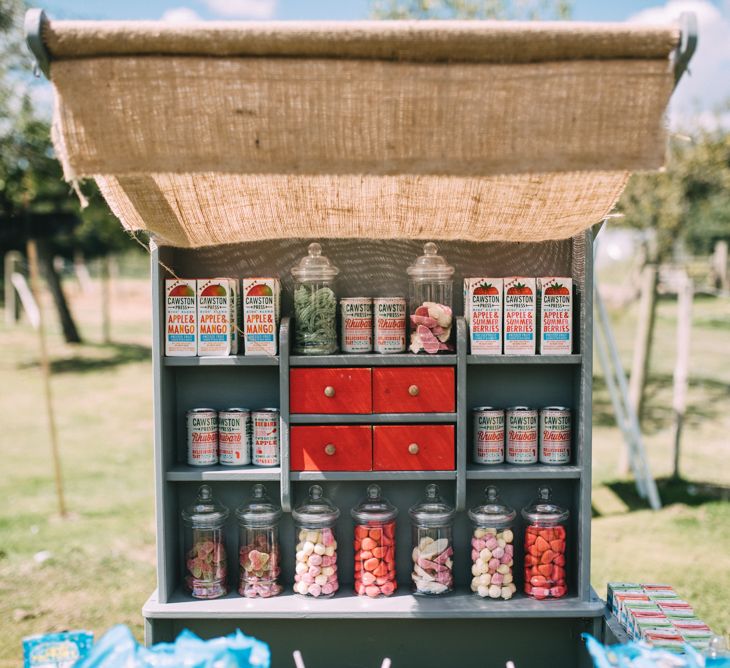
(687, 44)
(35, 21)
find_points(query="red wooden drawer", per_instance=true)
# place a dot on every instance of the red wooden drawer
(330, 391)
(331, 448)
(419, 389)
(413, 448)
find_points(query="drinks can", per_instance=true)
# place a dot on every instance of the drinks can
(265, 441)
(202, 424)
(488, 435)
(234, 437)
(357, 324)
(521, 437)
(555, 435)
(390, 324)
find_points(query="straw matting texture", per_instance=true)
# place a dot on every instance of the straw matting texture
(360, 130)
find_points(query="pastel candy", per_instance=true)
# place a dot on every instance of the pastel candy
(492, 566)
(432, 564)
(316, 570)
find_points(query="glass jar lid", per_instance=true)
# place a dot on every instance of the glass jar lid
(258, 511)
(492, 513)
(432, 511)
(374, 507)
(542, 510)
(430, 265)
(314, 266)
(317, 510)
(205, 512)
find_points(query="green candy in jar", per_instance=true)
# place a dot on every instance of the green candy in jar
(315, 304)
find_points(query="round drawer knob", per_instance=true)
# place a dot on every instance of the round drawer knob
(413, 390)
(330, 449)
(329, 391)
(413, 448)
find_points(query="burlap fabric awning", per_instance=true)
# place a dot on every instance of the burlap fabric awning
(218, 133)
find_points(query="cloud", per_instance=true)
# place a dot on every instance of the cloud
(180, 15)
(706, 86)
(243, 9)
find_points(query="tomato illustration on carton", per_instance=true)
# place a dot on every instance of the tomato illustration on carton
(556, 315)
(519, 316)
(180, 318)
(483, 309)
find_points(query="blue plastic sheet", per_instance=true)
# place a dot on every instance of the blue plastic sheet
(119, 649)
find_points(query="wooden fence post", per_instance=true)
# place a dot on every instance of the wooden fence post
(681, 368)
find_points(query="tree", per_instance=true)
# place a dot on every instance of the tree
(525, 10)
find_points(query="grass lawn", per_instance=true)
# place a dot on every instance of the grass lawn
(96, 568)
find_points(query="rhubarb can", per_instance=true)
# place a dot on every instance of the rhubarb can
(390, 324)
(357, 325)
(555, 435)
(265, 441)
(234, 437)
(488, 435)
(202, 426)
(521, 437)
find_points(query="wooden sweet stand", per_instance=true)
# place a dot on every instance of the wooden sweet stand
(505, 143)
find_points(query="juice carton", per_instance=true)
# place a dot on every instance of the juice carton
(620, 597)
(668, 640)
(483, 299)
(180, 318)
(261, 308)
(629, 607)
(643, 622)
(236, 312)
(215, 324)
(676, 609)
(556, 315)
(614, 587)
(519, 316)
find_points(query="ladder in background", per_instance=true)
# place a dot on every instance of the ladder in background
(626, 417)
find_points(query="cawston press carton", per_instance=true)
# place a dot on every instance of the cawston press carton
(261, 307)
(483, 310)
(519, 316)
(556, 315)
(215, 317)
(180, 318)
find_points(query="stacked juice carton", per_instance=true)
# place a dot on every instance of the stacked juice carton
(519, 315)
(656, 614)
(221, 316)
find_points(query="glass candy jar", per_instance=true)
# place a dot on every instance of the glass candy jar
(492, 547)
(545, 547)
(315, 304)
(205, 546)
(374, 545)
(431, 530)
(258, 546)
(316, 547)
(430, 296)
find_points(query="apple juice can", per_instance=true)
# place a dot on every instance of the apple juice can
(521, 436)
(488, 435)
(265, 439)
(357, 324)
(202, 436)
(234, 437)
(555, 435)
(390, 324)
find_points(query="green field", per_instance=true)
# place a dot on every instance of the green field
(96, 568)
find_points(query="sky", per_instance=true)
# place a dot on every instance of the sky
(702, 98)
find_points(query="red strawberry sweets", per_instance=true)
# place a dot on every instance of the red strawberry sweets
(519, 316)
(556, 315)
(545, 547)
(483, 311)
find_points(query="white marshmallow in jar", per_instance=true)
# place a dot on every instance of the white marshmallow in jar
(433, 551)
(492, 547)
(315, 572)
